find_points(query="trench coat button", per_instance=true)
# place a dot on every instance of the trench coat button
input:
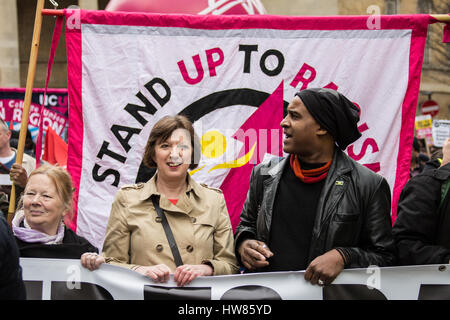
(159, 248)
(158, 219)
(194, 220)
(189, 248)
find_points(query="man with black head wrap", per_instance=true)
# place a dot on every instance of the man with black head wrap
(316, 209)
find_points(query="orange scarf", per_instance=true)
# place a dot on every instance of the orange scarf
(309, 176)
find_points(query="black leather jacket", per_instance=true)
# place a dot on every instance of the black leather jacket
(353, 213)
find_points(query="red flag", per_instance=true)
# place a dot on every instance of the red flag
(55, 148)
(235, 185)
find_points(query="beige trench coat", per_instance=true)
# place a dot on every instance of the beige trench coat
(199, 222)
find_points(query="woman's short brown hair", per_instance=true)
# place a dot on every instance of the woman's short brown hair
(162, 130)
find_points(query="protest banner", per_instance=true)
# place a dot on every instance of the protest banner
(66, 279)
(423, 125)
(233, 76)
(55, 113)
(440, 132)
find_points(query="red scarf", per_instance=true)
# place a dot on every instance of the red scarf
(309, 176)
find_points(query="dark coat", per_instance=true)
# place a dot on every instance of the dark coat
(11, 283)
(73, 247)
(353, 212)
(422, 228)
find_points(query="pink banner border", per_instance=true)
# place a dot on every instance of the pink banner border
(75, 129)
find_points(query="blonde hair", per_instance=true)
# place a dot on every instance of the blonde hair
(63, 183)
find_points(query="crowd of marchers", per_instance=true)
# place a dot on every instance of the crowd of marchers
(316, 209)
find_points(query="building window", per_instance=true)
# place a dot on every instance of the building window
(391, 6)
(424, 6)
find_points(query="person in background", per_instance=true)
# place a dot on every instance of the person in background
(196, 214)
(14, 139)
(9, 169)
(436, 159)
(11, 283)
(30, 146)
(316, 209)
(4, 204)
(422, 228)
(418, 159)
(38, 224)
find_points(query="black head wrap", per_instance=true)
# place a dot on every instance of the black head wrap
(334, 112)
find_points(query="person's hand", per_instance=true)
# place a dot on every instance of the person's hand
(186, 273)
(325, 268)
(158, 273)
(446, 153)
(92, 260)
(18, 175)
(254, 254)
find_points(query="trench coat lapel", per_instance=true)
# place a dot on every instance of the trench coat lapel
(184, 204)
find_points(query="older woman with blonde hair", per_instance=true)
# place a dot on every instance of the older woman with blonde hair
(38, 224)
(170, 224)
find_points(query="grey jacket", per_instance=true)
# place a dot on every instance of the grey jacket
(353, 212)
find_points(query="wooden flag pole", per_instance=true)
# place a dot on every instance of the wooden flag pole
(27, 100)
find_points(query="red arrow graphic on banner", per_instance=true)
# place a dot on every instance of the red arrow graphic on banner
(262, 128)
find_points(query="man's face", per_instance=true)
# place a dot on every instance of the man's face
(300, 129)
(4, 137)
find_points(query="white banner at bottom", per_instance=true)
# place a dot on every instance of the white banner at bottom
(64, 279)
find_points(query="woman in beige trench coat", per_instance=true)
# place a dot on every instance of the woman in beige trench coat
(197, 215)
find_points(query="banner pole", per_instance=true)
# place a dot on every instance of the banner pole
(27, 100)
(441, 17)
(52, 12)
